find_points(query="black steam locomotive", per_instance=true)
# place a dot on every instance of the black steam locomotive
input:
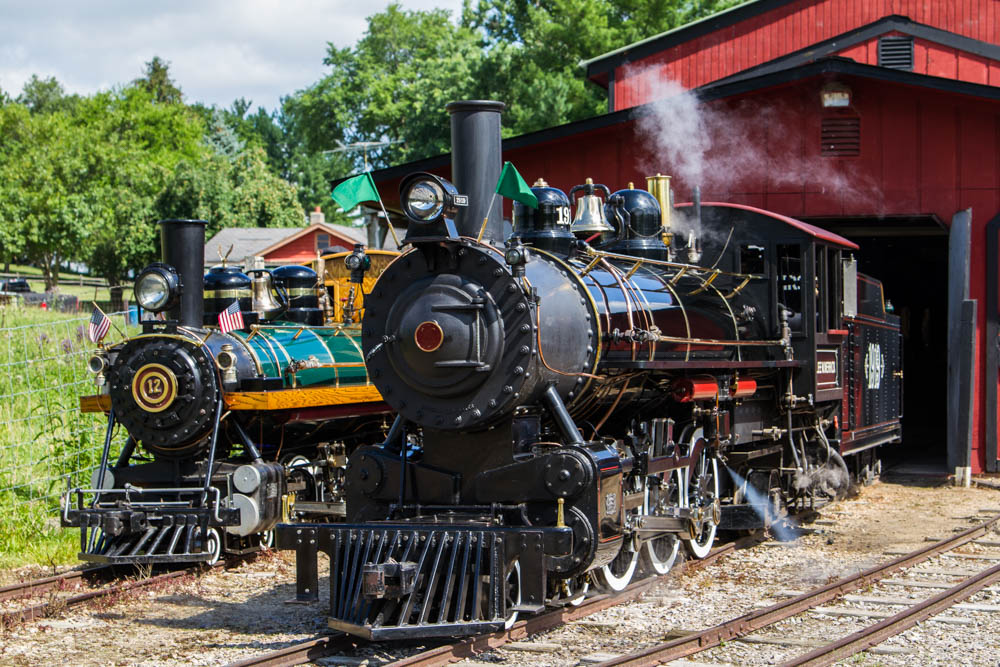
(230, 428)
(588, 395)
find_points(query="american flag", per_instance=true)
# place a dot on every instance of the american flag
(98, 326)
(231, 318)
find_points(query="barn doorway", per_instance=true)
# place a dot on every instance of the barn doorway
(910, 257)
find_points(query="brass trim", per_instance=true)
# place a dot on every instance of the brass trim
(154, 387)
(440, 331)
(235, 292)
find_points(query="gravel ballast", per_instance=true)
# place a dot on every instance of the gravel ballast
(227, 615)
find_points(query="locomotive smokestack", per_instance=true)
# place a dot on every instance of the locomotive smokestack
(182, 246)
(475, 165)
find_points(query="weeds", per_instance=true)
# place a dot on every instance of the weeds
(46, 444)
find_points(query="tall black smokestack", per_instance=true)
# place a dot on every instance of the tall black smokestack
(182, 246)
(475, 165)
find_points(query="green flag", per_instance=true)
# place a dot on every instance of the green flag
(355, 190)
(512, 186)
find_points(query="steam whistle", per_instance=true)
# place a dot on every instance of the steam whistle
(659, 187)
(693, 251)
(590, 220)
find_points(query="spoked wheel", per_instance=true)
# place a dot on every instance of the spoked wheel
(658, 554)
(703, 491)
(617, 574)
(513, 595)
(213, 546)
(571, 591)
(267, 539)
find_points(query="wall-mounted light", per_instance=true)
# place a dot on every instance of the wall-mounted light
(834, 95)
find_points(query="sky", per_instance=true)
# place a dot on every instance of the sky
(218, 50)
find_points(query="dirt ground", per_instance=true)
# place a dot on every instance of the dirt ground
(224, 616)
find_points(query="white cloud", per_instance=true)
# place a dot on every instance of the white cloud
(218, 51)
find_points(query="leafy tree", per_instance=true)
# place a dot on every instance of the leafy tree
(391, 86)
(241, 192)
(41, 177)
(46, 96)
(156, 80)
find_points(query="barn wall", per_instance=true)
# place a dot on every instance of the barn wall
(799, 25)
(303, 249)
(922, 153)
(935, 59)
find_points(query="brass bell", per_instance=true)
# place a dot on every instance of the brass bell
(589, 219)
(264, 302)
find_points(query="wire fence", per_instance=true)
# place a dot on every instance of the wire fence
(46, 443)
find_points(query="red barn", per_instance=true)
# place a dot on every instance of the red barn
(877, 119)
(280, 245)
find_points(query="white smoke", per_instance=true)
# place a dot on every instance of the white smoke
(721, 145)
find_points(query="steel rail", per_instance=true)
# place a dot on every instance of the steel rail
(744, 625)
(302, 652)
(894, 625)
(44, 609)
(36, 586)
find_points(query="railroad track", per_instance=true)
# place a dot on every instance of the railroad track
(76, 579)
(339, 644)
(742, 627)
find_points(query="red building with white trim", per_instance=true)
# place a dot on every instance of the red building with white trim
(878, 120)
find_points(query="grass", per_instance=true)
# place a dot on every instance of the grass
(45, 442)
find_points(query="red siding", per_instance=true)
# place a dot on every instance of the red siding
(801, 24)
(303, 249)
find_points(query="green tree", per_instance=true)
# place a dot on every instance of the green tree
(391, 86)
(41, 175)
(156, 80)
(137, 141)
(239, 192)
(46, 96)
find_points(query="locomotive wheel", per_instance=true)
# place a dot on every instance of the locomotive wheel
(213, 546)
(267, 539)
(658, 554)
(705, 482)
(617, 574)
(513, 595)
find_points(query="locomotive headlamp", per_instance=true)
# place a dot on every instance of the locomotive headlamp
(515, 255)
(357, 263)
(427, 198)
(157, 288)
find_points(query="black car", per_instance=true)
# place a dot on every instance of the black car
(15, 285)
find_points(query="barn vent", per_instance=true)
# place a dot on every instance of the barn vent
(840, 136)
(896, 52)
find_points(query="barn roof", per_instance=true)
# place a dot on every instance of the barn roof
(599, 66)
(253, 241)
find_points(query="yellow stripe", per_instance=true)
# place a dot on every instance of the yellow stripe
(309, 397)
(96, 403)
